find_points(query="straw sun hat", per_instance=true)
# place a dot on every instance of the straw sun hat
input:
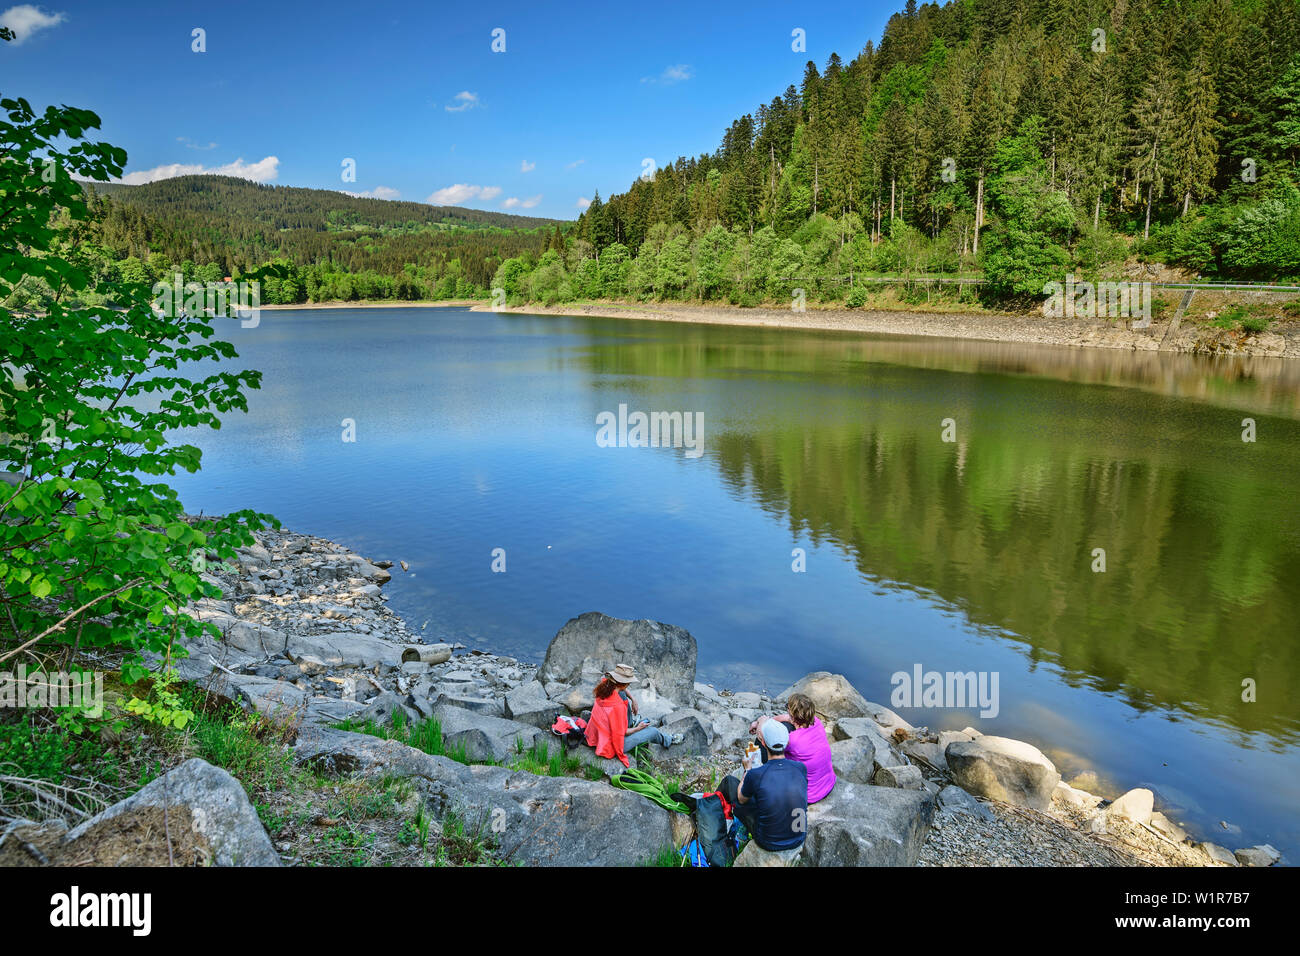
(623, 674)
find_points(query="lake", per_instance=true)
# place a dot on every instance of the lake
(477, 431)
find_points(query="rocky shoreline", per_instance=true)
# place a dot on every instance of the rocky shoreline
(309, 642)
(997, 327)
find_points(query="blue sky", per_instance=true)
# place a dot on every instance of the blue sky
(413, 91)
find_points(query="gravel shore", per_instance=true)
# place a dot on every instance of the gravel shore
(994, 327)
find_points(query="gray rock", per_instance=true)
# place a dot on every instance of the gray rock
(858, 758)
(276, 699)
(529, 704)
(925, 753)
(1262, 855)
(662, 655)
(331, 710)
(957, 801)
(1218, 854)
(484, 736)
(707, 692)
(221, 817)
(854, 760)
(556, 691)
(259, 554)
(848, 727)
(341, 752)
(564, 821)
(344, 649)
(998, 768)
(479, 705)
(730, 730)
(860, 825)
(1073, 797)
(578, 700)
(832, 695)
(1135, 805)
(311, 665)
(1167, 828)
(696, 734)
(652, 707)
(903, 776)
(755, 855)
(888, 720)
(251, 638)
(383, 706)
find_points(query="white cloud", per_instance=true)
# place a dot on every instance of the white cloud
(527, 167)
(462, 192)
(464, 100)
(575, 164)
(190, 144)
(515, 203)
(26, 19)
(583, 202)
(262, 171)
(379, 192)
(672, 74)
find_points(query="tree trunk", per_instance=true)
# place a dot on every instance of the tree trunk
(979, 213)
(1096, 212)
(1187, 201)
(1146, 230)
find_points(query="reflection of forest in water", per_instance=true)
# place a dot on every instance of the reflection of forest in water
(1201, 530)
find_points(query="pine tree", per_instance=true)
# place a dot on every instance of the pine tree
(1151, 146)
(1195, 148)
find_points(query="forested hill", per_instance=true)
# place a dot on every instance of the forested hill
(1019, 137)
(186, 198)
(333, 245)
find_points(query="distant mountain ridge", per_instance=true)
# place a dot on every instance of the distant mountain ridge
(296, 207)
(390, 248)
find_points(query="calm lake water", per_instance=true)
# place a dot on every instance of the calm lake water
(477, 431)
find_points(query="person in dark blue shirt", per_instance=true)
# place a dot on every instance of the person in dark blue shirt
(771, 800)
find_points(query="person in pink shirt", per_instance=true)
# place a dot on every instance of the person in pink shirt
(808, 744)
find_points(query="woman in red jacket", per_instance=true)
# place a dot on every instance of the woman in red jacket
(610, 729)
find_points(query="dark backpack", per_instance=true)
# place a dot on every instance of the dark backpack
(711, 829)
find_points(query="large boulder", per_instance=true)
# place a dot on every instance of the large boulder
(565, 821)
(251, 638)
(832, 695)
(696, 734)
(200, 808)
(859, 825)
(335, 752)
(268, 696)
(662, 655)
(999, 768)
(529, 704)
(482, 736)
(857, 759)
(345, 649)
(479, 705)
